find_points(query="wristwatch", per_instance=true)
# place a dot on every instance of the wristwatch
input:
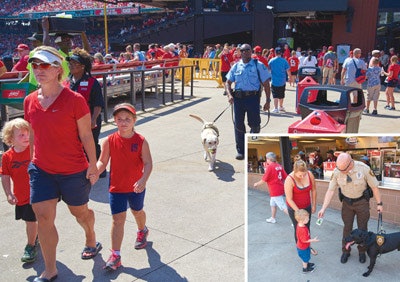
(379, 204)
(268, 100)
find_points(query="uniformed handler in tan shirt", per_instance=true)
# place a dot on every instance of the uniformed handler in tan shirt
(352, 178)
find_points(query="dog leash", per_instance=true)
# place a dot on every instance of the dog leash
(221, 113)
(266, 123)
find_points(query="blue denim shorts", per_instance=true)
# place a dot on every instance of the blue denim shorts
(119, 201)
(73, 189)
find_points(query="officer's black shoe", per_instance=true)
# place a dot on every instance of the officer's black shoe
(362, 257)
(344, 257)
(239, 156)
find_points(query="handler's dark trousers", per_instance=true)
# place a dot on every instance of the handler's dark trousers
(349, 211)
(241, 106)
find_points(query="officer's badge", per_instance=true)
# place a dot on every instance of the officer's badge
(380, 240)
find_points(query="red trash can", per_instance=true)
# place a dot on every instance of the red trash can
(307, 81)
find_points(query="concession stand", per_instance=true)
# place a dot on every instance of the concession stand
(381, 153)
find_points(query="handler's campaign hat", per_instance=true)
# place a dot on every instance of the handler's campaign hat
(46, 57)
(126, 107)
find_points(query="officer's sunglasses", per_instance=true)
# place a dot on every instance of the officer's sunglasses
(348, 165)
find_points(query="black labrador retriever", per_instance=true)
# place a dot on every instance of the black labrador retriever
(389, 243)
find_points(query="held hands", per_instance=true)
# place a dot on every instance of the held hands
(92, 174)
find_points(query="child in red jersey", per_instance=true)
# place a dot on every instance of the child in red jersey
(275, 177)
(15, 167)
(131, 165)
(304, 240)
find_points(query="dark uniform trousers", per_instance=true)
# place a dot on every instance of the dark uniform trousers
(241, 106)
(349, 211)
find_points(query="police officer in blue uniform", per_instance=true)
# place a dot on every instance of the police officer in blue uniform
(248, 75)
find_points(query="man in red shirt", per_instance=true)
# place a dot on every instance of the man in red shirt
(226, 62)
(23, 54)
(275, 177)
(320, 57)
(257, 55)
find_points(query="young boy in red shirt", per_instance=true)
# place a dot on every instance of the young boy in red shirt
(275, 177)
(304, 240)
(131, 165)
(15, 167)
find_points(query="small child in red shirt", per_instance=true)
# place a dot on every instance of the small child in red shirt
(304, 240)
(131, 165)
(15, 180)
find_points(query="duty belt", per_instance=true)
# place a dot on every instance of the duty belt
(352, 200)
(241, 93)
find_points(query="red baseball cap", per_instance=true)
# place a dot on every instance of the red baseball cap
(330, 48)
(257, 49)
(22, 47)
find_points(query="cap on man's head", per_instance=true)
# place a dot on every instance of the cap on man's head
(22, 47)
(124, 107)
(36, 36)
(61, 36)
(257, 49)
(330, 48)
(301, 153)
(278, 50)
(108, 56)
(375, 52)
(46, 57)
(364, 158)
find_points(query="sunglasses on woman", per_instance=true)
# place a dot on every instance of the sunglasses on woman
(42, 66)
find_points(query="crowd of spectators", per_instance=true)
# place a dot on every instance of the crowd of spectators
(15, 7)
(228, 5)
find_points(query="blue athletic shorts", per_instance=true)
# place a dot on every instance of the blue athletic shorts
(119, 201)
(73, 189)
(304, 254)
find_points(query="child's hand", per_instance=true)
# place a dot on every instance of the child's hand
(139, 186)
(315, 239)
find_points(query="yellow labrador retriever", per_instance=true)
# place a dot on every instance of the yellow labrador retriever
(209, 139)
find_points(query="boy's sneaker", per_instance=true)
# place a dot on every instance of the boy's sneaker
(374, 112)
(275, 111)
(387, 107)
(309, 269)
(30, 254)
(271, 220)
(365, 111)
(141, 238)
(113, 262)
(282, 109)
(391, 108)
